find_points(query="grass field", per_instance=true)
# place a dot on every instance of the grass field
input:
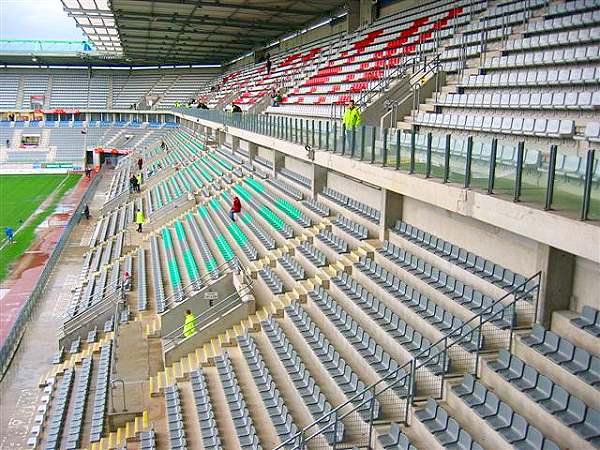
(20, 197)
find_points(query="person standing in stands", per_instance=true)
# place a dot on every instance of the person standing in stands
(236, 207)
(139, 219)
(268, 63)
(126, 281)
(86, 212)
(189, 326)
(351, 120)
(132, 183)
(140, 163)
(139, 182)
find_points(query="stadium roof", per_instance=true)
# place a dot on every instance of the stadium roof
(159, 32)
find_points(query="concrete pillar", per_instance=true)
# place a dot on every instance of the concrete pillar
(556, 287)
(353, 17)
(278, 162)
(368, 13)
(96, 158)
(235, 144)
(318, 179)
(221, 137)
(252, 150)
(391, 211)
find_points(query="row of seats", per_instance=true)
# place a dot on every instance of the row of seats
(588, 320)
(292, 266)
(561, 351)
(541, 127)
(431, 311)
(272, 280)
(300, 179)
(206, 417)
(380, 361)
(567, 408)
(534, 78)
(583, 100)
(273, 401)
(101, 392)
(478, 265)
(309, 390)
(246, 433)
(354, 229)
(446, 430)
(458, 291)
(316, 207)
(59, 411)
(333, 241)
(175, 425)
(313, 254)
(499, 415)
(286, 188)
(365, 211)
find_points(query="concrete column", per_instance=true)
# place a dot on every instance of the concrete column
(556, 286)
(353, 17)
(391, 211)
(278, 162)
(221, 137)
(318, 179)
(252, 150)
(368, 13)
(96, 158)
(235, 144)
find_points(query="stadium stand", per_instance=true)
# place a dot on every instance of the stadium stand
(353, 316)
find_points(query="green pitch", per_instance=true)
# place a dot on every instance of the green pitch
(25, 202)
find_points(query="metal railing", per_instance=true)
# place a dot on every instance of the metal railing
(233, 265)
(412, 89)
(405, 377)
(488, 164)
(217, 311)
(11, 343)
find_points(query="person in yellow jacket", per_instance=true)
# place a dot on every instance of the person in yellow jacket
(189, 326)
(139, 182)
(351, 120)
(139, 219)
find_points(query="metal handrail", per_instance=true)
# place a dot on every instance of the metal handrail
(175, 337)
(520, 289)
(228, 266)
(432, 67)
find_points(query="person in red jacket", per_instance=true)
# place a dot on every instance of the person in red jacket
(235, 208)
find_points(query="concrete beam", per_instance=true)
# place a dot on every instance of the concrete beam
(252, 150)
(556, 287)
(353, 18)
(391, 211)
(550, 228)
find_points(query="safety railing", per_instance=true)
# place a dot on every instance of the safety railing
(390, 118)
(11, 343)
(233, 265)
(211, 315)
(550, 180)
(398, 390)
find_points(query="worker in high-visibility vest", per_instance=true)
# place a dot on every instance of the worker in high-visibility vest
(139, 219)
(189, 326)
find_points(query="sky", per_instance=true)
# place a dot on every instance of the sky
(37, 19)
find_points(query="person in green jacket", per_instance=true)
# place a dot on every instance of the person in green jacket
(139, 182)
(351, 120)
(189, 326)
(139, 219)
